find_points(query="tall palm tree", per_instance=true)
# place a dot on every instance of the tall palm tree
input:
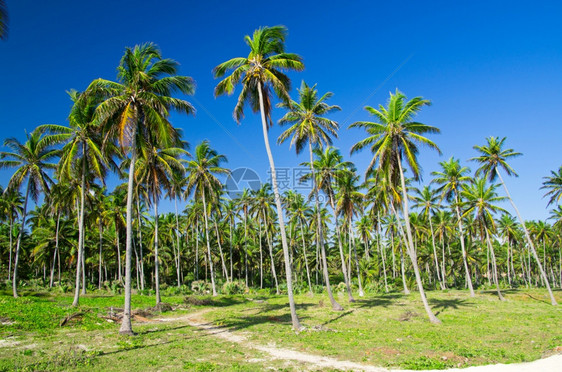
(330, 165)
(309, 126)
(201, 179)
(493, 157)
(480, 201)
(3, 20)
(81, 153)
(427, 200)
(134, 110)
(451, 178)
(260, 73)
(393, 136)
(554, 186)
(31, 159)
(156, 168)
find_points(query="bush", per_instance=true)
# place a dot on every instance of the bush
(200, 287)
(234, 287)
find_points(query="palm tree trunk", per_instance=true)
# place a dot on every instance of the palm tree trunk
(100, 252)
(56, 249)
(383, 256)
(288, 274)
(11, 244)
(80, 231)
(197, 250)
(231, 261)
(411, 251)
(126, 327)
(305, 258)
(441, 282)
(529, 241)
(403, 236)
(223, 262)
(178, 242)
(208, 243)
(273, 272)
(319, 236)
(343, 265)
(18, 244)
(494, 265)
(139, 227)
(83, 264)
(156, 258)
(352, 244)
(464, 260)
(261, 255)
(246, 244)
(119, 276)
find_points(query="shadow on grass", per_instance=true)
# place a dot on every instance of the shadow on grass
(338, 317)
(383, 300)
(443, 304)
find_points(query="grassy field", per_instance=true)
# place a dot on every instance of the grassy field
(384, 330)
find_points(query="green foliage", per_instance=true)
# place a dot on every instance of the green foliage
(234, 287)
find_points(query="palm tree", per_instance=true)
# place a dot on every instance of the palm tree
(427, 200)
(507, 227)
(330, 166)
(32, 162)
(3, 20)
(480, 199)
(554, 186)
(135, 110)
(176, 190)
(11, 205)
(493, 157)
(452, 178)
(309, 126)
(156, 168)
(259, 73)
(394, 136)
(82, 153)
(202, 180)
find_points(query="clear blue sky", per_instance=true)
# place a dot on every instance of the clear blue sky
(489, 69)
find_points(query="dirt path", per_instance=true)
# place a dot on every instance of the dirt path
(550, 364)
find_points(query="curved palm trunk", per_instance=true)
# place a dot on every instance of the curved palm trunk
(208, 244)
(288, 274)
(529, 241)
(411, 251)
(352, 244)
(156, 261)
(464, 260)
(178, 243)
(320, 238)
(56, 249)
(441, 282)
(80, 234)
(305, 258)
(343, 265)
(18, 244)
(126, 327)
(494, 265)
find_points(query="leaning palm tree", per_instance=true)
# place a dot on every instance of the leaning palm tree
(396, 135)
(493, 157)
(451, 178)
(201, 179)
(260, 73)
(134, 110)
(554, 186)
(32, 162)
(309, 126)
(3, 20)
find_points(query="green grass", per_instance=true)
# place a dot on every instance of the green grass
(386, 330)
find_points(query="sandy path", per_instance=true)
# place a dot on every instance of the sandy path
(550, 364)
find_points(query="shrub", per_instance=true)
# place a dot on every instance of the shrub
(234, 287)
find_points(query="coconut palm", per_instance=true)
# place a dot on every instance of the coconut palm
(156, 168)
(554, 186)
(11, 205)
(260, 73)
(428, 201)
(396, 135)
(309, 126)
(451, 178)
(480, 199)
(135, 111)
(175, 192)
(202, 181)
(31, 159)
(493, 157)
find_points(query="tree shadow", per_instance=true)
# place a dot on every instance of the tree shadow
(443, 304)
(337, 317)
(383, 300)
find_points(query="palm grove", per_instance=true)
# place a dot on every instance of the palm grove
(357, 231)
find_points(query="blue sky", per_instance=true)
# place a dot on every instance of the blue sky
(489, 69)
